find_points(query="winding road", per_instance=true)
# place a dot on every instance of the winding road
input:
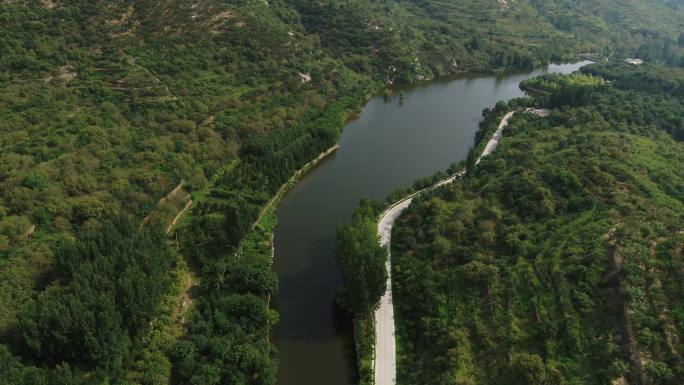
(385, 344)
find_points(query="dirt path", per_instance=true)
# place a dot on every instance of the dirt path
(385, 343)
(180, 214)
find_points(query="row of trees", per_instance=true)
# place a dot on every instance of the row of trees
(573, 90)
(227, 339)
(363, 262)
(364, 271)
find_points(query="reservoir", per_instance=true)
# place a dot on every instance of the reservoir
(389, 146)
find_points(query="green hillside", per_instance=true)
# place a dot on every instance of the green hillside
(120, 112)
(557, 260)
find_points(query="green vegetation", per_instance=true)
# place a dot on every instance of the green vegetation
(407, 40)
(230, 238)
(108, 106)
(575, 89)
(365, 280)
(363, 262)
(108, 285)
(113, 117)
(557, 260)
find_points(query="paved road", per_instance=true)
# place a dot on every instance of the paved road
(385, 344)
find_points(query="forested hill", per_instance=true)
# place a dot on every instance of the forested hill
(558, 260)
(410, 39)
(120, 112)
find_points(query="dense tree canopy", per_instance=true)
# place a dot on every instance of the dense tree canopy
(555, 262)
(108, 285)
(363, 262)
(140, 109)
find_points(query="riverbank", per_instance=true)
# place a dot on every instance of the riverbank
(387, 146)
(385, 360)
(476, 264)
(533, 90)
(267, 219)
(179, 301)
(382, 369)
(273, 203)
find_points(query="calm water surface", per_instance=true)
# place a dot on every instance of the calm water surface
(389, 146)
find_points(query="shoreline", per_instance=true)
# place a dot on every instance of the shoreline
(477, 72)
(274, 202)
(383, 318)
(374, 91)
(356, 113)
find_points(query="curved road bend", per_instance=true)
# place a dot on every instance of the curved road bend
(385, 344)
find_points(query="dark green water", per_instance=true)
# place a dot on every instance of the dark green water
(389, 146)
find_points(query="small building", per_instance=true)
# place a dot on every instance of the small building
(634, 61)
